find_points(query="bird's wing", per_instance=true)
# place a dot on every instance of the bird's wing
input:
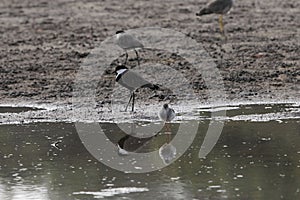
(127, 41)
(171, 115)
(132, 80)
(219, 6)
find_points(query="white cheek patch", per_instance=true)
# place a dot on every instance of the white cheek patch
(121, 71)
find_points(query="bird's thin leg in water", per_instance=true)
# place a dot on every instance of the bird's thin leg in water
(128, 102)
(169, 138)
(168, 129)
(163, 128)
(137, 57)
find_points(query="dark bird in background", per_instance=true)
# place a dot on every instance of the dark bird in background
(128, 42)
(132, 81)
(220, 7)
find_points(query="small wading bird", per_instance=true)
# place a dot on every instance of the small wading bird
(167, 152)
(166, 114)
(132, 81)
(220, 7)
(128, 42)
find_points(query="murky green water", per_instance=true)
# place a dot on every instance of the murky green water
(251, 160)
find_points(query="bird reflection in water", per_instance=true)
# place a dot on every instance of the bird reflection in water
(129, 143)
(167, 151)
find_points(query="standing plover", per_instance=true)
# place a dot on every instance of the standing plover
(132, 81)
(220, 7)
(128, 42)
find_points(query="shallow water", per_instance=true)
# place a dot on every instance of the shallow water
(256, 157)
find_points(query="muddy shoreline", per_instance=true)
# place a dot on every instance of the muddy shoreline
(43, 45)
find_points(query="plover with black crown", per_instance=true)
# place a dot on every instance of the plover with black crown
(132, 81)
(128, 42)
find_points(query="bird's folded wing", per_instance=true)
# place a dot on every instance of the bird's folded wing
(132, 80)
(129, 42)
(219, 6)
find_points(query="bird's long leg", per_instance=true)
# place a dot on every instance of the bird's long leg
(129, 101)
(168, 128)
(126, 57)
(132, 108)
(221, 25)
(137, 57)
(169, 137)
(163, 128)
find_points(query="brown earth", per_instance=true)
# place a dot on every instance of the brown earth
(44, 42)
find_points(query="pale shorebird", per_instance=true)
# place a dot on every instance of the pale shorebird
(220, 7)
(128, 42)
(167, 151)
(132, 81)
(166, 114)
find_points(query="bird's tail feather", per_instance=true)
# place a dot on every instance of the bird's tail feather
(151, 86)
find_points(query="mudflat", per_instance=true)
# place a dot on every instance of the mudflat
(43, 44)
